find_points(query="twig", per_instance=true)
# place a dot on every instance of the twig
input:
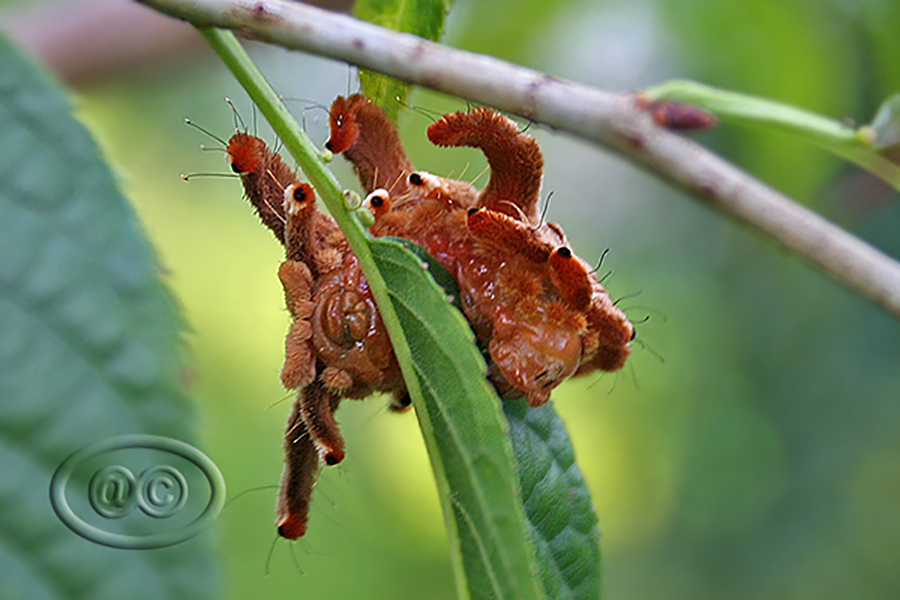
(613, 120)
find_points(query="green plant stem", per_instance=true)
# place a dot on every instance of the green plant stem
(855, 145)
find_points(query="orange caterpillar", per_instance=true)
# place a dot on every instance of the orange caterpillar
(532, 302)
(337, 346)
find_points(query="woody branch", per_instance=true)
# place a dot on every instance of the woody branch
(610, 119)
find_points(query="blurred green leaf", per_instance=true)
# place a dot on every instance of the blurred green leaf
(465, 432)
(90, 349)
(424, 18)
(557, 502)
(772, 49)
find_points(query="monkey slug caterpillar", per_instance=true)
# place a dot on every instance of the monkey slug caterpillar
(534, 304)
(337, 346)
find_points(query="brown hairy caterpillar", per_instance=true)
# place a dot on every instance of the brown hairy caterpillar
(532, 302)
(337, 346)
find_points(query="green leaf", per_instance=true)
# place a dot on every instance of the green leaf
(465, 433)
(557, 502)
(558, 507)
(90, 350)
(435, 269)
(886, 123)
(424, 18)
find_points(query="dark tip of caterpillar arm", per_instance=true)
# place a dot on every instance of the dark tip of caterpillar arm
(292, 527)
(330, 454)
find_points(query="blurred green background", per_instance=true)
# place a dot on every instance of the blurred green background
(759, 457)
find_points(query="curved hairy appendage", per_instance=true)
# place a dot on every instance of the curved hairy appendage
(299, 367)
(298, 284)
(301, 467)
(343, 125)
(317, 413)
(370, 141)
(264, 176)
(514, 157)
(299, 205)
(572, 278)
(508, 233)
(311, 237)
